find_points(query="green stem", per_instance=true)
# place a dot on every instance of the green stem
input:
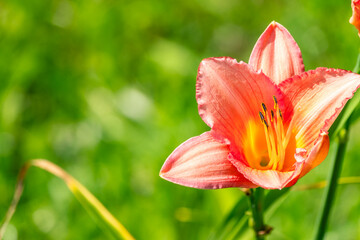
(357, 65)
(256, 201)
(332, 183)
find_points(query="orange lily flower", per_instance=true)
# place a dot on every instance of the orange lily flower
(269, 118)
(355, 18)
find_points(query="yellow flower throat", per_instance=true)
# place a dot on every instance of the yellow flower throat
(271, 153)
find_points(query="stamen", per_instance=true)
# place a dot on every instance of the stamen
(263, 107)
(266, 124)
(280, 137)
(280, 126)
(275, 135)
(270, 150)
(270, 132)
(275, 102)
(261, 117)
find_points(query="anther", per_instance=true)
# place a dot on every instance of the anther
(261, 117)
(275, 102)
(266, 124)
(272, 115)
(280, 114)
(264, 107)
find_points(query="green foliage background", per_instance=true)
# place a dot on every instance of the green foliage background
(106, 90)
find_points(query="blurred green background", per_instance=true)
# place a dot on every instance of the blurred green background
(106, 90)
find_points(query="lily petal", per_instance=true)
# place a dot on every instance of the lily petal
(268, 179)
(317, 98)
(230, 94)
(277, 54)
(201, 162)
(317, 154)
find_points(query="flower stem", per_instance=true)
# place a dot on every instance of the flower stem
(256, 202)
(332, 183)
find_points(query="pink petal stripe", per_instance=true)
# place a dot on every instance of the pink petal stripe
(230, 94)
(268, 179)
(201, 162)
(277, 54)
(317, 98)
(317, 154)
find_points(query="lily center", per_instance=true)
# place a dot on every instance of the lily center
(270, 144)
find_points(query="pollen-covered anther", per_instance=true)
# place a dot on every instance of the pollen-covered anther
(275, 102)
(266, 124)
(261, 117)
(264, 107)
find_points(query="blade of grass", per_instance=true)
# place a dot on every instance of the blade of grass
(107, 221)
(330, 189)
(17, 195)
(340, 132)
(322, 184)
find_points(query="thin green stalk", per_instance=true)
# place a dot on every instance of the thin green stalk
(357, 65)
(332, 183)
(341, 133)
(256, 202)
